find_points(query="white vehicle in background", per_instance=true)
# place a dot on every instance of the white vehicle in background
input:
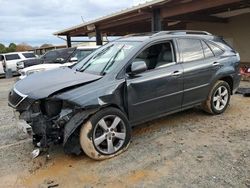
(1, 66)
(78, 54)
(9, 60)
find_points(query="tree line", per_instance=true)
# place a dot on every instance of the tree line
(18, 47)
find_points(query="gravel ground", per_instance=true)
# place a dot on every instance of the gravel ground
(187, 149)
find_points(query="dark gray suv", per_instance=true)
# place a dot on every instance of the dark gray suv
(92, 106)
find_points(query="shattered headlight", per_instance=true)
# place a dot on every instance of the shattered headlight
(34, 71)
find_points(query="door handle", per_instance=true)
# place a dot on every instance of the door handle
(176, 73)
(216, 64)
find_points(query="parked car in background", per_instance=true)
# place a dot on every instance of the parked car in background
(9, 60)
(58, 58)
(92, 106)
(1, 66)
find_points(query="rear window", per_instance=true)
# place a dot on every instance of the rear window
(65, 54)
(29, 55)
(51, 54)
(12, 57)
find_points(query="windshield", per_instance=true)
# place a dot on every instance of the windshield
(106, 58)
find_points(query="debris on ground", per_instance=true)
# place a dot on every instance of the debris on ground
(244, 91)
(48, 183)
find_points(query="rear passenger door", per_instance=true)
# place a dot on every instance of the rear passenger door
(199, 67)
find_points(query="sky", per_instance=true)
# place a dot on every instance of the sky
(34, 21)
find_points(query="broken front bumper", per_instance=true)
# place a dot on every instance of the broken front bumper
(21, 124)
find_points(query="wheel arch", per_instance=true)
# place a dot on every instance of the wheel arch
(230, 82)
(227, 78)
(71, 130)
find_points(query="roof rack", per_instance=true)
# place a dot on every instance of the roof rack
(181, 32)
(140, 34)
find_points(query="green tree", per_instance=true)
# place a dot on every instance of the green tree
(2, 48)
(46, 45)
(12, 47)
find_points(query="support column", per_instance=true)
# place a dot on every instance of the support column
(156, 20)
(98, 36)
(68, 41)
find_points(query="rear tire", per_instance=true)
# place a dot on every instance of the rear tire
(218, 98)
(106, 134)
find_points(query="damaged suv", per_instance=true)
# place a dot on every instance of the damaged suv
(92, 106)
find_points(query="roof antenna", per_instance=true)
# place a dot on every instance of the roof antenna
(82, 19)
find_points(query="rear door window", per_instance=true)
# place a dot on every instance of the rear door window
(12, 57)
(191, 50)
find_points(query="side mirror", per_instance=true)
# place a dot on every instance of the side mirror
(59, 60)
(73, 59)
(138, 67)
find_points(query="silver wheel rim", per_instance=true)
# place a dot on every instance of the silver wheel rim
(220, 98)
(109, 134)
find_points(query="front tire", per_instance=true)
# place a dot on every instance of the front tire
(218, 98)
(106, 134)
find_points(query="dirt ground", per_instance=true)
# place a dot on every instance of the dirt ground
(187, 149)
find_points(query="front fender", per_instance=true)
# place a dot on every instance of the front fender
(71, 141)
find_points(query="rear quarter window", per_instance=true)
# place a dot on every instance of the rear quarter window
(12, 57)
(216, 50)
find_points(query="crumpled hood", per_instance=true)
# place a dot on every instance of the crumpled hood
(43, 84)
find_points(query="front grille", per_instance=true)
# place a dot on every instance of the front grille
(15, 98)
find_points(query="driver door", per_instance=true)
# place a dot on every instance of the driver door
(158, 90)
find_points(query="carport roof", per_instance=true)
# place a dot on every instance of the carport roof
(173, 14)
(120, 13)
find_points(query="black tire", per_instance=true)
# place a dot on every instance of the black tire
(210, 105)
(113, 141)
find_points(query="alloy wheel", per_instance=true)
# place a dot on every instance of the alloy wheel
(220, 98)
(109, 134)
